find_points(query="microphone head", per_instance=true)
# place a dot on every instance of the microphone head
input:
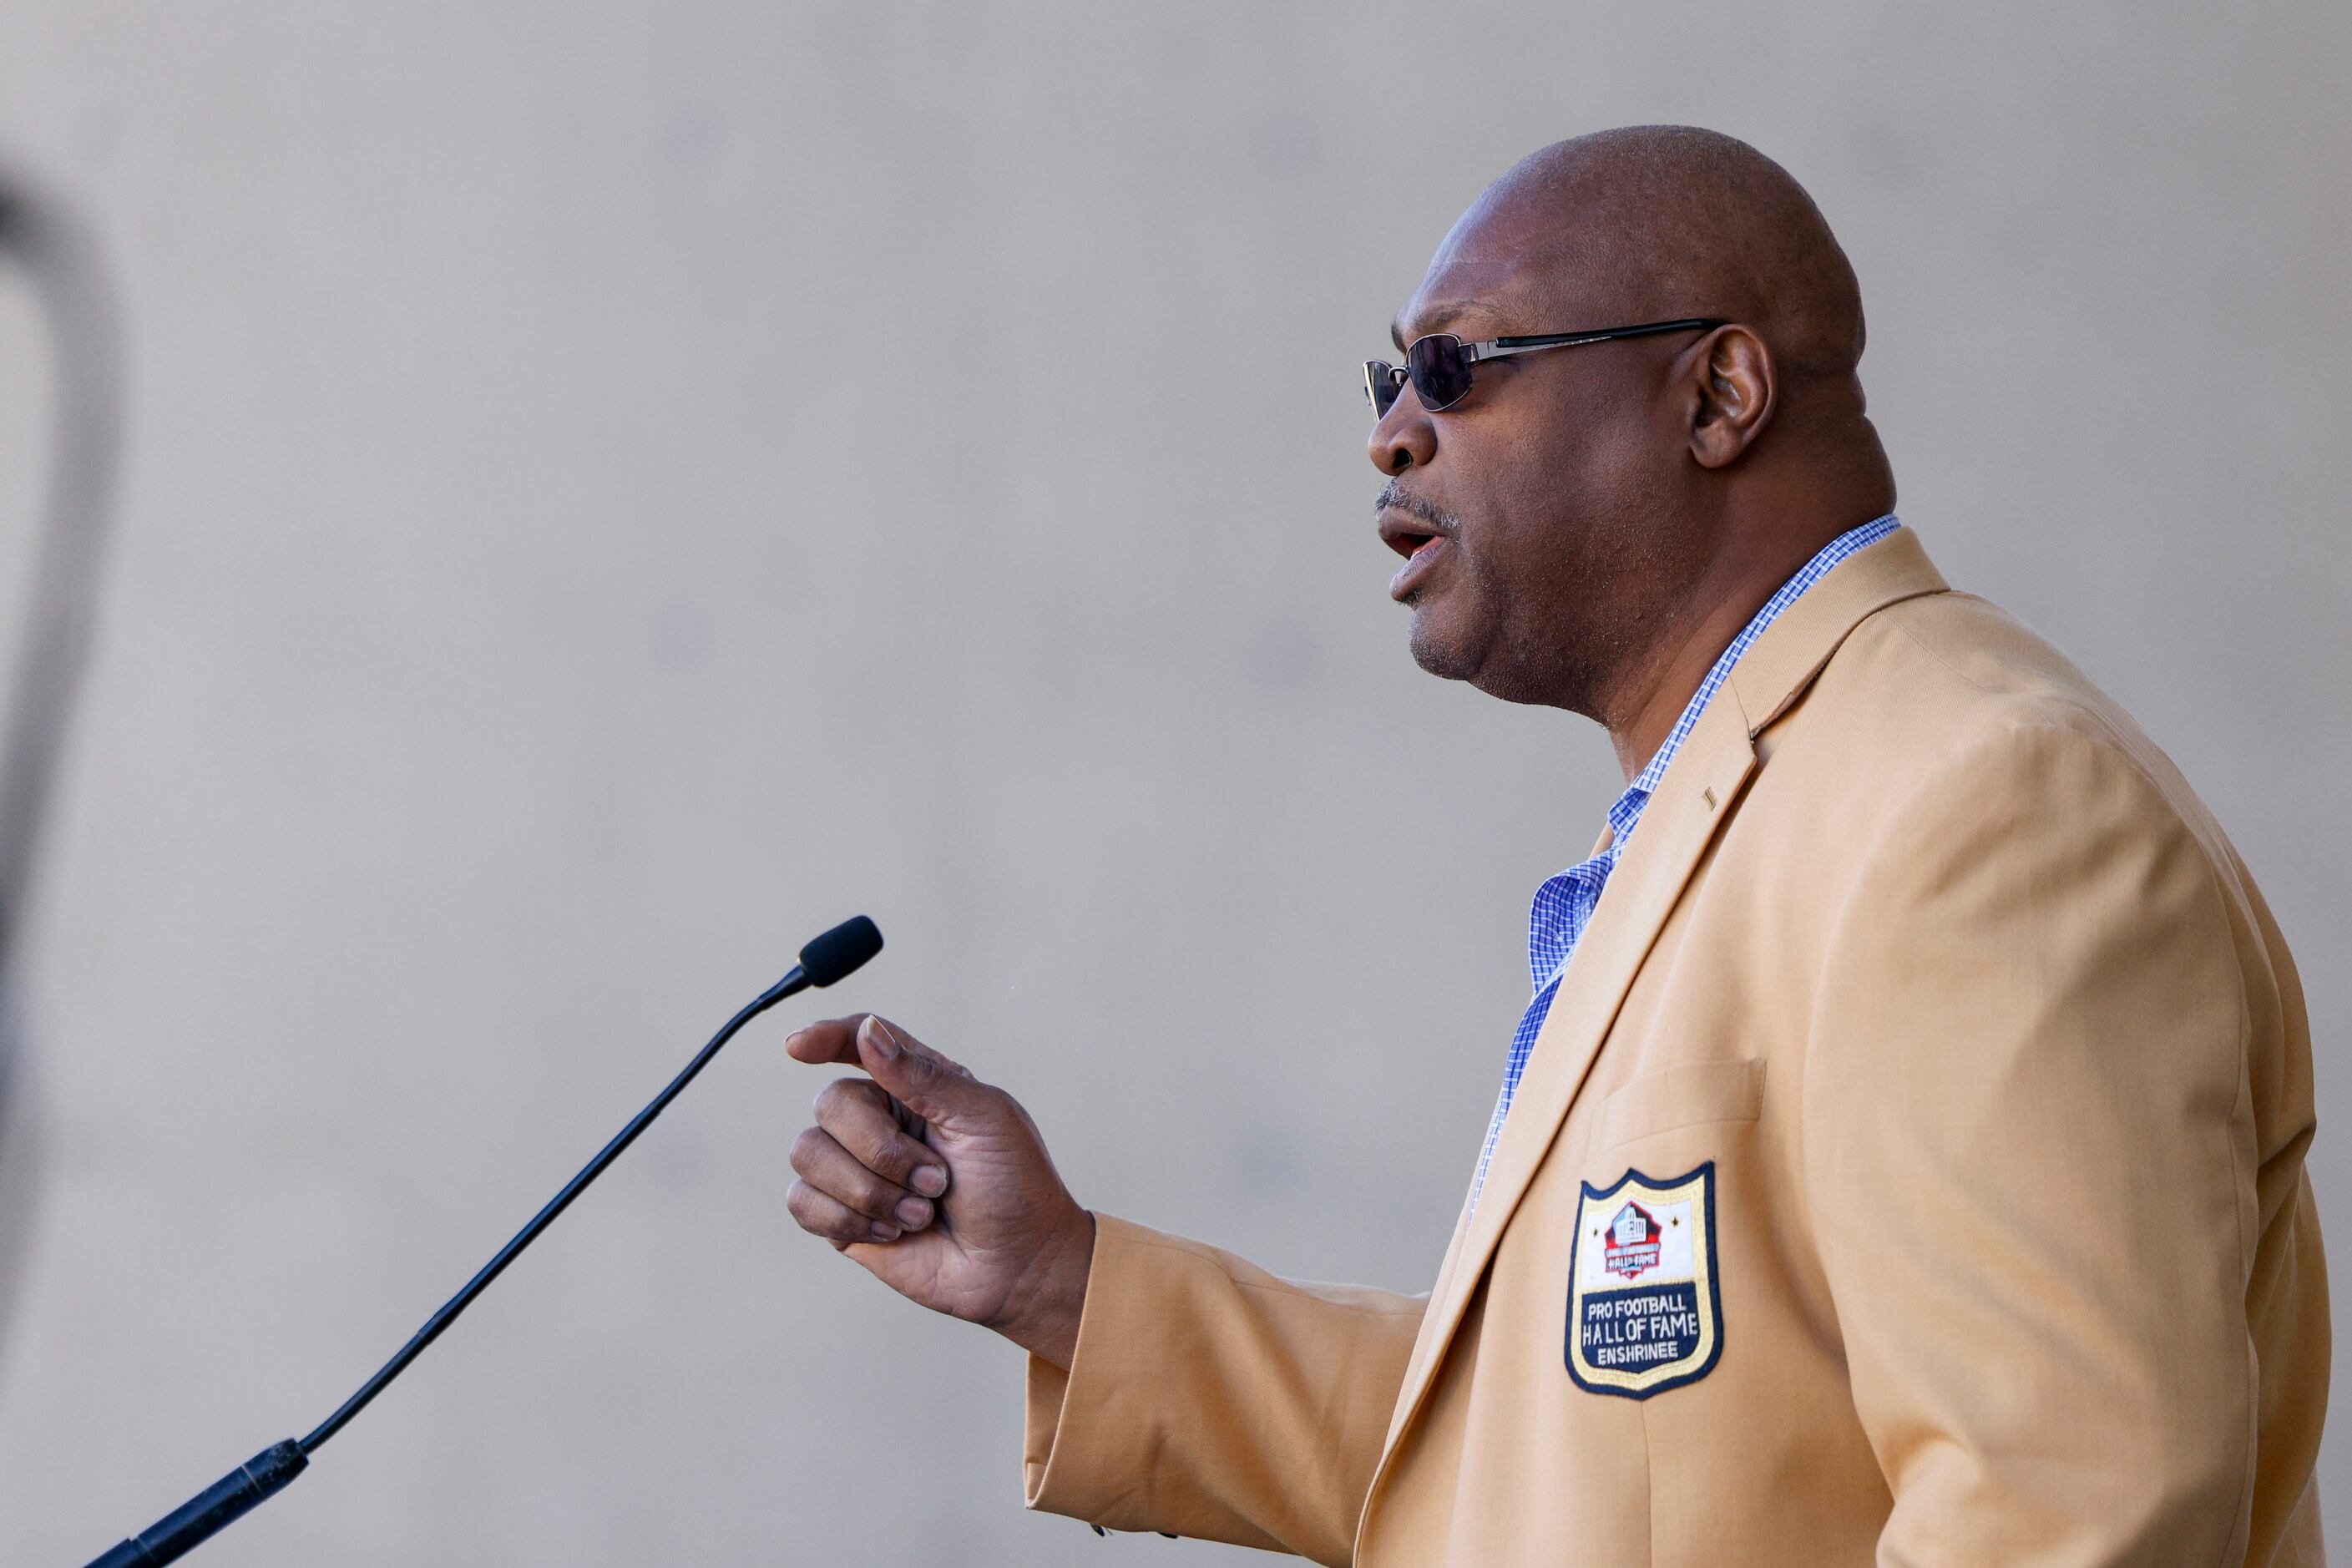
(840, 952)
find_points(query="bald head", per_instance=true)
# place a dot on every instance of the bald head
(1652, 222)
(1603, 509)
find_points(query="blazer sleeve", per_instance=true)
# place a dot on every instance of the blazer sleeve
(2031, 1163)
(1208, 1398)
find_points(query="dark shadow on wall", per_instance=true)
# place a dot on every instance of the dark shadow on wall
(41, 238)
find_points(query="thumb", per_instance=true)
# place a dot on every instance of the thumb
(917, 1077)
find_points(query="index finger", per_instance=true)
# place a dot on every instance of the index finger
(827, 1040)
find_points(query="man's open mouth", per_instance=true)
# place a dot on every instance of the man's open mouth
(1422, 544)
(1407, 534)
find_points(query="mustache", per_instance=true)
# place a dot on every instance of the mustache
(1394, 496)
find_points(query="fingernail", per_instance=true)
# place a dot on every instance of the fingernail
(885, 1231)
(929, 1180)
(886, 1044)
(915, 1212)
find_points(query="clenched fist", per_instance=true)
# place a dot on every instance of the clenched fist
(940, 1186)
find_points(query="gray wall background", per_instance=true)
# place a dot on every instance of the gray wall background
(613, 489)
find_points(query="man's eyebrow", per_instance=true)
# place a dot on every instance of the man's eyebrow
(1438, 320)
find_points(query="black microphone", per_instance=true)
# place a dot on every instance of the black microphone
(836, 955)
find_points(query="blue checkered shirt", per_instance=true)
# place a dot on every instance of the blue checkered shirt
(1564, 905)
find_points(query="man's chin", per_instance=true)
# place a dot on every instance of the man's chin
(1453, 652)
(1441, 649)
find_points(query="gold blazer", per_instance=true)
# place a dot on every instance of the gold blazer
(1910, 1171)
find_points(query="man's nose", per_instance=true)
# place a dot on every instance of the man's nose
(1404, 436)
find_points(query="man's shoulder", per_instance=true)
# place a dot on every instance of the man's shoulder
(1965, 667)
(1948, 689)
(1950, 674)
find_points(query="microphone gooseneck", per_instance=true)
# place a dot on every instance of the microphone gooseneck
(831, 957)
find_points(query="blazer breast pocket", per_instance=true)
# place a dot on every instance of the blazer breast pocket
(1684, 1096)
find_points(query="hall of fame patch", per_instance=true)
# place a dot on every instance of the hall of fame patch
(1644, 1309)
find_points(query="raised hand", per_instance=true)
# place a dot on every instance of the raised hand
(940, 1187)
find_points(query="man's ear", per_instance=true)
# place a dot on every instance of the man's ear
(1734, 385)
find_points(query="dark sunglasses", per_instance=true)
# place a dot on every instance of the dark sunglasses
(1439, 365)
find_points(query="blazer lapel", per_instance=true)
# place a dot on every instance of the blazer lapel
(1695, 798)
(1692, 801)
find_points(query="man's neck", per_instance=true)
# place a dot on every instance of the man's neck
(1637, 735)
(1721, 605)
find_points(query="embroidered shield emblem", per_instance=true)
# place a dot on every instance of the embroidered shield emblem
(1644, 1308)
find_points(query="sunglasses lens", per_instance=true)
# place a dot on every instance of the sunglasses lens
(1440, 374)
(1380, 382)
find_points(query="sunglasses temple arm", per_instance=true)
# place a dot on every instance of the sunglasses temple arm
(1502, 348)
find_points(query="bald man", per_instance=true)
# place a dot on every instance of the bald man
(1901, 1157)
